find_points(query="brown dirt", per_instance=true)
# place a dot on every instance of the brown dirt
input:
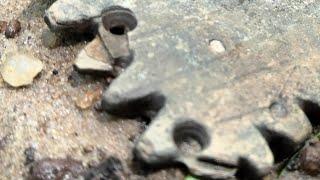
(44, 115)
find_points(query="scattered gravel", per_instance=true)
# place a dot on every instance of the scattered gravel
(12, 29)
(3, 26)
(30, 155)
(55, 169)
(86, 100)
(111, 168)
(44, 114)
(50, 39)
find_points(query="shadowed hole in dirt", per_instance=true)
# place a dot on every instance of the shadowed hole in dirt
(146, 106)
(141, 168)
(281, 146)
(247, 171)
(76, 79)
(71, 38)
(212, 162)
(190, 137)
(311, 110)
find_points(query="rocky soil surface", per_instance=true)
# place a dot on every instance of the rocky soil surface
(43, 120)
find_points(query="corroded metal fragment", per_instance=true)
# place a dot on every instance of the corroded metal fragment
(218, 113)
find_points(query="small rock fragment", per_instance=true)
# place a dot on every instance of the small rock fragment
(111, 169)
(50, 40)
(55, 72)
(3, 142)
(12, 29)
(52, 169)
(294, 175)
(20, 69)
(93, 58)
(3, 26)
(75, 79)
(310, 158)
(88, 149)
(90, 97)
(217, 47)
(30, 155)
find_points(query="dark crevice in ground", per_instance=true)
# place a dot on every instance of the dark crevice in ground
(306, 160)
(311, 110)
(281, 146)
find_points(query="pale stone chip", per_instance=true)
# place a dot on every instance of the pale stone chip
(93, 57)
(20, 69)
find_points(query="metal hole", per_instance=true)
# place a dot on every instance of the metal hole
(190, 137)
(277, 109)
(118, 20)
(118, 30)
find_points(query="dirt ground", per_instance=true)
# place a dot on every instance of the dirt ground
(44, 115)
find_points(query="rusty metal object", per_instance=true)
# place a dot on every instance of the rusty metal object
(117, 22)
(218, 113)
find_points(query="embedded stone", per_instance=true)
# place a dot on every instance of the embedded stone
(20, 69)
(93, 58)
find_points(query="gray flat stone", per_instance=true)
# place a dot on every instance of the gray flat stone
(77, 15)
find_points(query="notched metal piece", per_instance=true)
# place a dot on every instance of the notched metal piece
(221, 114)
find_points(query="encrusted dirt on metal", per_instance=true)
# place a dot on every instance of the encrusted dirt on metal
(223, 109)
(240, 104)
(229, 103)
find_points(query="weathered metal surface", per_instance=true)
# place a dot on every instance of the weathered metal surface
(239, 106)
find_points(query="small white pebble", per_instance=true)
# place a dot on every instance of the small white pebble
(217, 47)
